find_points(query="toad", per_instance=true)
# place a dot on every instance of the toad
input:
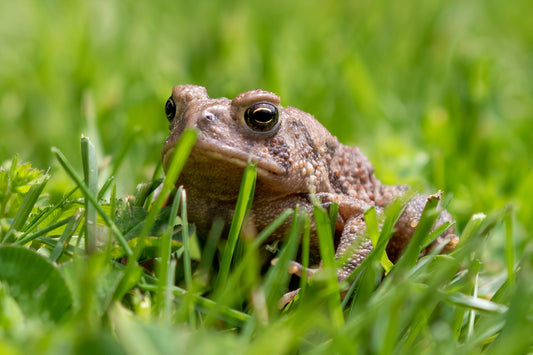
(296, 157)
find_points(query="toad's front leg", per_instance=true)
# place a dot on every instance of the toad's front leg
(354, 246)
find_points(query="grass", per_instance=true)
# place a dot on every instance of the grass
(437, 94)
(429, 306)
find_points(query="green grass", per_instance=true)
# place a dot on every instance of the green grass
(436, 93)
(60, 282)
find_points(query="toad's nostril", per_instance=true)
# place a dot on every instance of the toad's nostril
(209, 116)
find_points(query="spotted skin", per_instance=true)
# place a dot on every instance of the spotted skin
(296, 157)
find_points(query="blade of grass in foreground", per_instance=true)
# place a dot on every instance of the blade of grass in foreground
(210, 247)
(515, 336)
(509, 246)
(245, 278)
(179, 157)
(205, 305)
(25, 209)
(327, 255)
(189, 301)
(306, 241)
(185, 234)
(265, 233)
(359, 279)
(109, 181)
(241, 209)
(427, 219)
(45, 230)
(88, 195)
(113, 202)
(45, 214)
(62, 243)
(90, 172)
(278, 276)
(372, 227)
(181, 152)
(163, 267)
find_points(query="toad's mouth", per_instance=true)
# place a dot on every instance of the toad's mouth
(230, 156)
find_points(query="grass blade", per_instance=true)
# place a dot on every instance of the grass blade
(265, 233)
(180, 154)
(62, 243)
(29, 238)
(189, 301)
(47, 212)
(205, 305)
(509, 247)
(306, 241)
(164, 264)
(278, 276)
(372, 227)
(477, 304)
(428, 217)
(90, 172)
(241, 209)
(185, 234)
(25, 209)
(327, 254)
(210, 247)
(109, 181)
(88, 195)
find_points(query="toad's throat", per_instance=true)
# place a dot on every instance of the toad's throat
(230, 156)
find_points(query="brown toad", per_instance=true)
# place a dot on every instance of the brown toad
(295, 156)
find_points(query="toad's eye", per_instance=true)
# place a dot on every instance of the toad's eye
(262, 117)
(170, 108)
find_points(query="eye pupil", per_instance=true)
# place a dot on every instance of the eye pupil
(261, 117)
(170, 108)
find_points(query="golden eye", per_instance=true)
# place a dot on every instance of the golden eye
(262, 117)
(170, 108)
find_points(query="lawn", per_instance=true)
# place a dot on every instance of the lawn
(437, 94)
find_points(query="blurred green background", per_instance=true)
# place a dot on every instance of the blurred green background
(437, 93)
